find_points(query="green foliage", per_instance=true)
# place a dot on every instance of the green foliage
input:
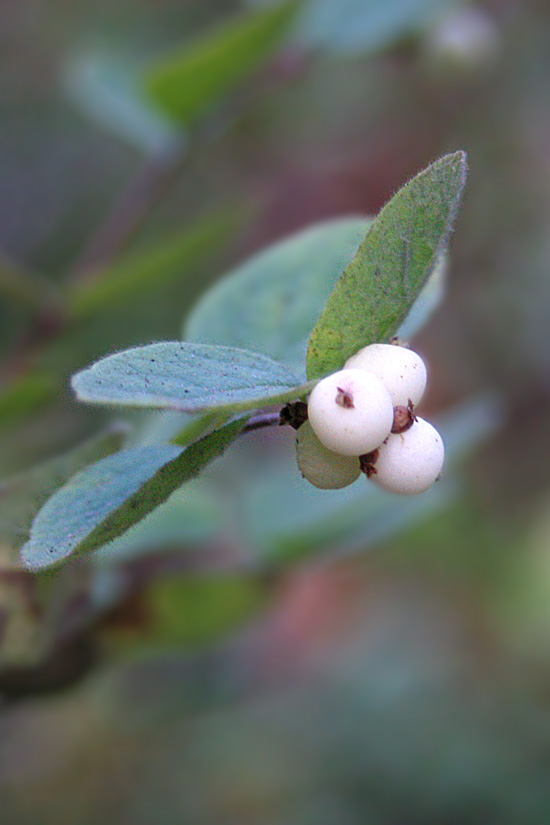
(381, 284)
(428, 300)
(107, 498)
(187, 377)
(272, 301)
(191, 81)
(355, 632)
(191, 516)
(23, 495)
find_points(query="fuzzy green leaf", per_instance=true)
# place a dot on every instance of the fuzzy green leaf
(429, 298)
(22, 496)
(192, 80)
(272, 301)
(400, 251)
(191, 516)
(108, 497)
(187, 377)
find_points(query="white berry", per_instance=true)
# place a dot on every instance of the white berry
(321, 467)
(401, 370)
(350, 411)
(410, 462)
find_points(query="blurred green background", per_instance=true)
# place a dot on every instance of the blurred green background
(253, 654)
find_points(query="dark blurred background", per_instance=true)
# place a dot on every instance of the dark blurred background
(404, 677)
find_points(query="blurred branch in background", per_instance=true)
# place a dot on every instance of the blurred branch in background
(128, 214)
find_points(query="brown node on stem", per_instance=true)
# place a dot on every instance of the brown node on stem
(367, 463)
(344, 399)
(294, 414)
(403, 418)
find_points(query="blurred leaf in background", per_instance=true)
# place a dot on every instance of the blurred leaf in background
(190, 82)
(108, 90)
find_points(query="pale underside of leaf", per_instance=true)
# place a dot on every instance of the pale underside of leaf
(22, 496)
(271, 302)
(187, 377)
(107, 498)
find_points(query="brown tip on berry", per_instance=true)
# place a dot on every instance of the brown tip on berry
(398, 342)
(344, 399)
(403, 418)
(367, 462)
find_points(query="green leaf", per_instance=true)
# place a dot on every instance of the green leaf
(107, 498)
(192, 80)
(361, 26)
(22, 496)
(429, 298)
(272, 301)
(187, 377)
(176, 427)
(152, 267)
(400, 251)
(192, 515)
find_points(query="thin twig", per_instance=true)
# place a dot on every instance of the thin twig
(258, 422)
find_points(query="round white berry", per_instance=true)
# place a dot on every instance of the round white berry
(321, 467)
(351, 412)
(410, 462)
(401, 370)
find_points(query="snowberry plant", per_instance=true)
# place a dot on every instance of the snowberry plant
(316, 341)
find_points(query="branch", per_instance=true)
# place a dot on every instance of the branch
(149, 186)
(258, 422)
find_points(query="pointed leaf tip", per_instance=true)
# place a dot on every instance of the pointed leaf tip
(105, 499)
(399, 252)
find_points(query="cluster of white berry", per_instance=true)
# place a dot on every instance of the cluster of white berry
(362, 419)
